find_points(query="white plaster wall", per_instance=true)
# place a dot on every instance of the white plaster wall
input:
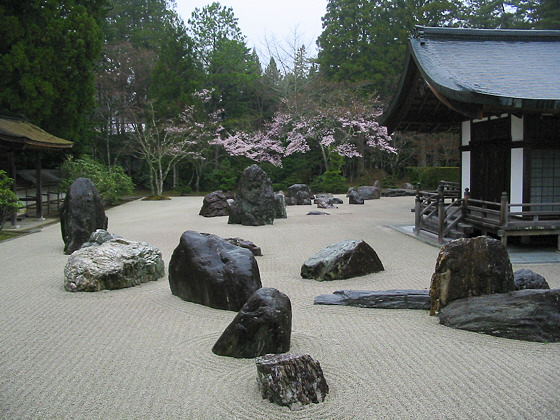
(466, 170)
(465, 133)
(516, 184)
(516, 128)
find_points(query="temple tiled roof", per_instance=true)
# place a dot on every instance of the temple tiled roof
(474, 73)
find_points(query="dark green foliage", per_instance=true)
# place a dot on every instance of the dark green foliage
(429, 177)
(111, 183)
(48, 49)
(332, 181)
(9, 202)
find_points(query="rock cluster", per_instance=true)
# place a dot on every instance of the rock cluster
(211, 271)
(262, 326)
(254, 203)
(342, 260)
(470, 267)
(81, 214)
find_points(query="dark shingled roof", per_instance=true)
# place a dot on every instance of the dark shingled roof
(455, 74)
(18, 134)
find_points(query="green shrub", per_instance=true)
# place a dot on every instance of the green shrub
(332, 181)
(183, 189)
(430, 176)
(9, 202)
(111, 183)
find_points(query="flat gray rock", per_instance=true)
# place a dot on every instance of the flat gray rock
(531, 314)
(382, 299)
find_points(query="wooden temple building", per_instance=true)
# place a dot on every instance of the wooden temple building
(18, 136)
(500, 90)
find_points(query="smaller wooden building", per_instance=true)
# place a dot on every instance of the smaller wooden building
(500, 89)
(17, 136)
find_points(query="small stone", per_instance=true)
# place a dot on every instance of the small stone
(292, 380)
(256, 250)
(528, 279)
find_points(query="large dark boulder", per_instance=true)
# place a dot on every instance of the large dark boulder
(292, 380)
(532, 315)
(470, 267)
(81, 214)
(254, 203)
(209, 270)
(113, 264)
(528, 279)
(214, 205)
(262, 326)
(381, 299)
(301, 194)
(342, 260)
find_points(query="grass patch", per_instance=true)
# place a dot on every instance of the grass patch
(8, 235)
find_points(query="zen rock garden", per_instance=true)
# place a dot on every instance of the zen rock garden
(473, 286)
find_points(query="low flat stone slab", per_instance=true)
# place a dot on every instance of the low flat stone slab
(530, 314)
(382, 299)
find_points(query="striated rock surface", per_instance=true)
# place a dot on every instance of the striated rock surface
(115, 264)
(263, 325)
(81, 214)
(292, 380)
(342, 260)
(211, 271)
(382, 299)
(254, 203)
(301, 194)
(280, 206)
(531, 314)
(470, 267)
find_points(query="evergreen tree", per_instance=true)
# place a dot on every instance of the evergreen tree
(48, 49)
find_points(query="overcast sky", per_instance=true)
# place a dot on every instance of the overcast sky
(268, 21)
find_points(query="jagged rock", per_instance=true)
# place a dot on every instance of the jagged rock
(280, 206)
(531, 314)
(383, 299)
(470, 267)
(81, 214)
(211, 271)
(255, 250)
(115, 264)
(324, 203)
(528, 279)
(262, 326)
(301, 193)
(100, 236)
(354, 197)
(342, 260)
(292, 380)
(254, 201)
(214, 204)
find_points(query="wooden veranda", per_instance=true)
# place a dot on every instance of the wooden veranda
(446, 215)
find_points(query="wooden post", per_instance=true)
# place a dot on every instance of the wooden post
(39, 186)
(441, 221)
(465, 206)
(12, 174)
(504, 209)
(417, 214)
